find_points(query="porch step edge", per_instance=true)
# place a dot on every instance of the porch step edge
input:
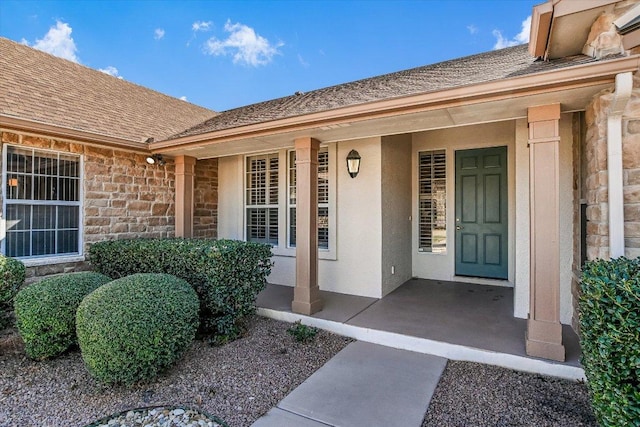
(436, 348)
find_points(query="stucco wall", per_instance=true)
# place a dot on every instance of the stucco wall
(352, 265)
(522, 230)
(566, 217)
(396, 211)
(514, 135)
(442, 266)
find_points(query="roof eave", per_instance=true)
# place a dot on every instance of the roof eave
(56, 131)
(540, 27)
(586, 74)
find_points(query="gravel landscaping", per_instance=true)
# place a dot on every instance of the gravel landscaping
(472, 394)
(237, 382)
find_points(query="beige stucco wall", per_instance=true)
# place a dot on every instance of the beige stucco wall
(442, 266)
(514, 135)
(522, 230)
(352, 264)
(396, 211)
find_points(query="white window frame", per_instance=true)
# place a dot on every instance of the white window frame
(35, 260)
(283, 248)
(321, 205)
(432, 196)
(247, 206)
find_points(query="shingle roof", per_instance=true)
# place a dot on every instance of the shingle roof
(470, 70)
(37, 86)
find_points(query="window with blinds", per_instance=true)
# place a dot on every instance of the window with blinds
(432, 198)
(323, 199)
(42, 203)
(261, 199)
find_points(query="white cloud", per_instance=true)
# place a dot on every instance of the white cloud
(158, 33)
(520, 38)
(246, 46)
(201, 26)
(184, 98)
(111, 70)
(302, 62)
(472, 29)
(58, 42)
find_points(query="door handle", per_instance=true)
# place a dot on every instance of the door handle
(459, 227)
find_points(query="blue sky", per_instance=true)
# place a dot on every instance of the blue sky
(226, 54)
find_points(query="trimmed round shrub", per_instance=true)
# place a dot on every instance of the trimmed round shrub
(12, 275)
(227, 275)
(46, 312)
(134, 327)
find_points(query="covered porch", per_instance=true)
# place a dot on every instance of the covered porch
(459, 321)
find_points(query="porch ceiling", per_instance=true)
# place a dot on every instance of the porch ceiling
(454, 113)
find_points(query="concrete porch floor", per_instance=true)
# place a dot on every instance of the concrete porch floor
(456, 320)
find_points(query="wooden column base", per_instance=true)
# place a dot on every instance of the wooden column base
(544, 339)
(306, 300)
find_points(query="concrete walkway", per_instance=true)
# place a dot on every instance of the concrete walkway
(363, 385)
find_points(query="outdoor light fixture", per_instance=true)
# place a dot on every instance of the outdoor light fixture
(13, 182)
(353, 163)
(156, 158)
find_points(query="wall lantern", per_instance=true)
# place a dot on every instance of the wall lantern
(353, 163)
(156, 158)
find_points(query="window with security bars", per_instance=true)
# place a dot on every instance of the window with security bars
(42, 203)
(323, 199)
(261, 199)
(432, 198)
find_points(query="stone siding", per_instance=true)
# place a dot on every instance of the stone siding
(205, 199)
(124, 196)
(597, 178)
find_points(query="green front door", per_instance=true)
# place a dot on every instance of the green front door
(481, 213)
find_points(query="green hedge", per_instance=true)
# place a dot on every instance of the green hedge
(610, 339)
(46, 312)
(134, 327)
(12, 275)
(226, 274)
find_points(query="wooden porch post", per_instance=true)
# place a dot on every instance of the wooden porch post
(306, 295)
(544, 331)
(185, 171)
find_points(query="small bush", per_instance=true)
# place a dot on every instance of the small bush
(610, 339)
(46, 312)
(132, 328)
(226, 274)
(302, 333)
(12, 275)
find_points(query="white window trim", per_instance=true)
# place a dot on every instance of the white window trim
(245, 206)
(417, 210)
(45, 259)
(283, 203)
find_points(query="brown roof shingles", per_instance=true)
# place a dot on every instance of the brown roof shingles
(470, 70)
(37, 86)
